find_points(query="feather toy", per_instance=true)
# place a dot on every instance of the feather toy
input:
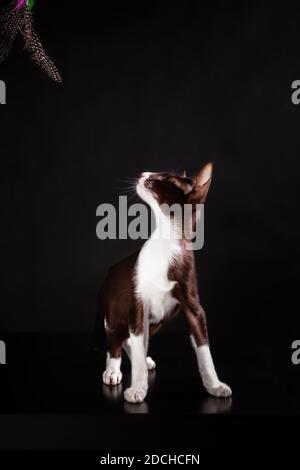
(20, 4)
(17, 18)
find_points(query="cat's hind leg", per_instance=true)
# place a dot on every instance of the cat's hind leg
(112, 374)
(151, 365)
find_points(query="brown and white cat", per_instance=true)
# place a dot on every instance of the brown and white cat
(147, 288)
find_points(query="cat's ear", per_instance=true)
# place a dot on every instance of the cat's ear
(202, 182)
(183, 174)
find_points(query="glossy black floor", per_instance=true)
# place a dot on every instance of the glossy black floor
(52, 397)
(61, 373)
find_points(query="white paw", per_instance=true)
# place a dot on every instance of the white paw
(111, 377)
(134, 395)
(220, 390)
(150, 363)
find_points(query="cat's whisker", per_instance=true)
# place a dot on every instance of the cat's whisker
(131, 196)
(128, 180)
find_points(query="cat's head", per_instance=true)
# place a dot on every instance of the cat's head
(168, 188)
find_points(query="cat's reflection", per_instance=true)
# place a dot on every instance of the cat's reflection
(211, 405)
(136, 408)
(113, 392)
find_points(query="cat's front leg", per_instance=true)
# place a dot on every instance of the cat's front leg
(211, 382)
(199, 338)
(137, 392)
(151, 365)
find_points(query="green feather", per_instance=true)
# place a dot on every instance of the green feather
(30, 4)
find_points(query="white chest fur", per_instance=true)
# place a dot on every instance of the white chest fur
(152, 284)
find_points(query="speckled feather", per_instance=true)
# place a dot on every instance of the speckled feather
(35, 48)
(10, 22)
(18, 18)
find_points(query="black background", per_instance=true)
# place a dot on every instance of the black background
(160, 87)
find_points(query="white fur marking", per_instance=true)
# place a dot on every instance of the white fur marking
(112, 374)
(150, 363)
(208, 372)
(157, 255)
(152, 284)
(139, 373)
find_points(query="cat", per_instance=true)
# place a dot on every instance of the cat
(144, 290)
